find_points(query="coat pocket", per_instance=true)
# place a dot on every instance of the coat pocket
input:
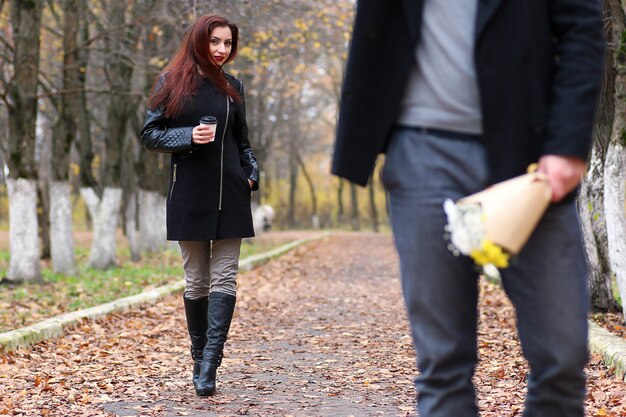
(246, 181)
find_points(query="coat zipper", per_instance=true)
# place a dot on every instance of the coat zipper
(222, 156)
(173, 182)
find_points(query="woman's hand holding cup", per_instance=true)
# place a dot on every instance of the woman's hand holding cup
(205, 132)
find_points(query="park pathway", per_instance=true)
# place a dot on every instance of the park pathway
(320, 331)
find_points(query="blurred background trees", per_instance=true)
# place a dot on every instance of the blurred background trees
(74, 78)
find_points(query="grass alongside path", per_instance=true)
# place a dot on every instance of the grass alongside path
(320, 331)
(23, 305)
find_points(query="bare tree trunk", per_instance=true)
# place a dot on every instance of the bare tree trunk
(105, 210)
(262, 132)
(152, 171)
(603, 189)
(43, 217)
(43, 149)
(3, 139)
(130, 201)
(341, 216)
(83, 144)
(64, 134)
(130, 224)
(22, 112)
(355, 217)
(121, 44)
(293, 185)
(591, 212)
(615, 157)
(315, 221)
(373, 209)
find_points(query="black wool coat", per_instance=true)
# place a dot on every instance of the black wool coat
(209, 192)
(538, 64)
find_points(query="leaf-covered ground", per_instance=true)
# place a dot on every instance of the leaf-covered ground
(320, 331)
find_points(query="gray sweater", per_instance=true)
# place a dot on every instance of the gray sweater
(442, 90)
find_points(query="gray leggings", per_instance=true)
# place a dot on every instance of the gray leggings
(210, 266)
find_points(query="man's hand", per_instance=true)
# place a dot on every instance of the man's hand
(564, 173)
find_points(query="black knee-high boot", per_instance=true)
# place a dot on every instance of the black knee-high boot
(196, 312)
(221, 308)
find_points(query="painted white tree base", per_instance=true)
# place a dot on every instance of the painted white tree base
(61, 239)
(104, 214)
(152, 228)
(23, 231)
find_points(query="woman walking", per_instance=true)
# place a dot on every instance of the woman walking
(212, 173)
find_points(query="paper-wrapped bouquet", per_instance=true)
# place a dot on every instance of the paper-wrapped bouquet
(494, 224)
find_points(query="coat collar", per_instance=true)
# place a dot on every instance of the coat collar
(412, 12)
(486, 10)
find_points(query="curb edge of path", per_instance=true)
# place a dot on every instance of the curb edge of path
(610, 347)
(56, 326)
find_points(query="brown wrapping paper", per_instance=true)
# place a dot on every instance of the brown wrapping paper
(512, 209)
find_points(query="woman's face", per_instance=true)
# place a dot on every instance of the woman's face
(220, 44)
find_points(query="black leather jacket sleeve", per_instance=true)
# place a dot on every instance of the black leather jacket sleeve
(246, 156)
(156, 137)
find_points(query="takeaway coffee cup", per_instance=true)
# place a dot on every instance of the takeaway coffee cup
(211, 121)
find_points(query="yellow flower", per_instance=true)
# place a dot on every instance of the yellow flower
(490, 253)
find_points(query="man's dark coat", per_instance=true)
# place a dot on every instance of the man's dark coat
(538, 64)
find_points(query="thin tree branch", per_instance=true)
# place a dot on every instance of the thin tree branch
(52, 93)
(6, 43)
(55, 14)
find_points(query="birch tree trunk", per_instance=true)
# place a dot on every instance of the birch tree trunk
(591, 212)
(615, 159)
(23, 236)
(152, 168)
(22, 112)
(104, 213)
(602, 198)
(121, 42)
(64, 134)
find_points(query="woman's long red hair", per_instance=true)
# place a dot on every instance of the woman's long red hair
(190, 63)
